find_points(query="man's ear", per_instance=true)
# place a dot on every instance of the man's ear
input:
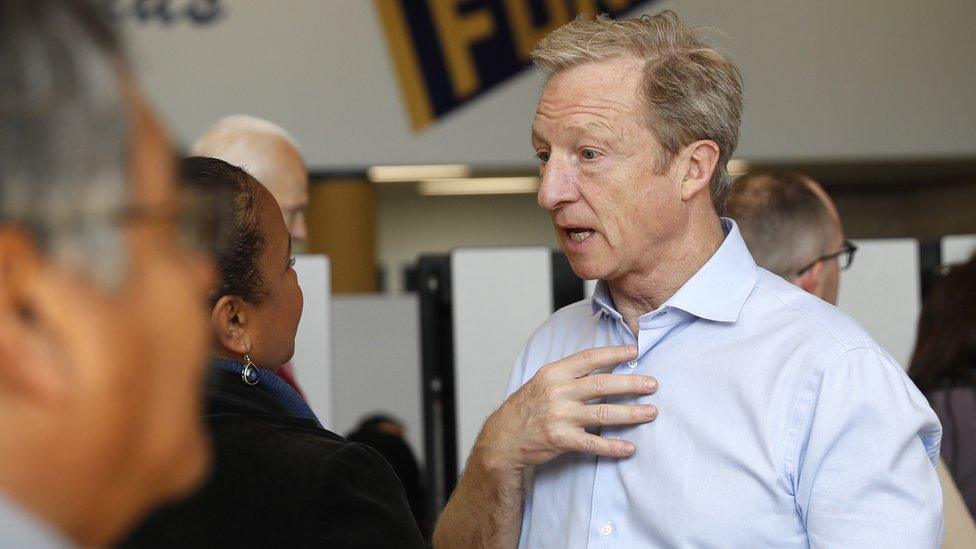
(809, 281)
(32, 362)
(229, 321)
(700, 160)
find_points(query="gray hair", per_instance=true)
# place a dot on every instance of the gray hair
(785, 224)
(690, 89)
(64, 134)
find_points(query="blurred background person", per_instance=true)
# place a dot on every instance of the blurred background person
(100, 387)
(944, 368)
(275, 464)
(386, 435)
(271, 155)
(793, 229)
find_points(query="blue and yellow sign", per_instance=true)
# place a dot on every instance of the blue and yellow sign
(447, 52)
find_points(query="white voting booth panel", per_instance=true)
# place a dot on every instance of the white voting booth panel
(882, 291)
(500, 297)
(377, 362)
(313, 344)
(958, 248)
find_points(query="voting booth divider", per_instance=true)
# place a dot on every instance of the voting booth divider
(957, 249)
(376, 353)
(312, 360)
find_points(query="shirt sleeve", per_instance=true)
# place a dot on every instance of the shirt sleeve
(864, 472)
(516, 378)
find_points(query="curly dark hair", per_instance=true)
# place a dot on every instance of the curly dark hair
(238, 263)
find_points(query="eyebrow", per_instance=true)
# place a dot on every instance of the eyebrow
(598, 129)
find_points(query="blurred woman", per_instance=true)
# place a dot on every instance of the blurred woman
(944, 368)
(280, 479)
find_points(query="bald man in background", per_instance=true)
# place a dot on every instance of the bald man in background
(792, 228)
(267, 152)
(270, 154)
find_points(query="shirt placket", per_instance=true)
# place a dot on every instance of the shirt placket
(609, 501)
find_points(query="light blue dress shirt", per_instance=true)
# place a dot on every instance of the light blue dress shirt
(781, 424)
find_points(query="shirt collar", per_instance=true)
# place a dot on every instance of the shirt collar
(716, 292)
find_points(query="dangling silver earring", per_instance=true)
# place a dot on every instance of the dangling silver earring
(250, 373)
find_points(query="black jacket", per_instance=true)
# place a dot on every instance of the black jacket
(282, 481)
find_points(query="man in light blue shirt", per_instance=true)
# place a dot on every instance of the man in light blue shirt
(781, 423)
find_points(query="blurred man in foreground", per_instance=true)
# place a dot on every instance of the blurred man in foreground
(103, 330)
(792, 229)
(270, 154)
(781, 424)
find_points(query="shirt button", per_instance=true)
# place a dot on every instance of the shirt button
(632, 364)
(606, 529)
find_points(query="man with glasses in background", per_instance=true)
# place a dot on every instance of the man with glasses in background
(793, 229)
(103, 323)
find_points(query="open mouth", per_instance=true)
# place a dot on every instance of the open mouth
(579, 235)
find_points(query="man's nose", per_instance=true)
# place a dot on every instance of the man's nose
(557, 185)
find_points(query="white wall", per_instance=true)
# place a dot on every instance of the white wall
(377, 362)
(499, 296)
(313, 342)
(958, 248)
(825, 79)
(882, 291)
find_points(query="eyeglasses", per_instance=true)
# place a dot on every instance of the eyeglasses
(845, 256)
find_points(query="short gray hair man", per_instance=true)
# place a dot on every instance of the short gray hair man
(792, 228)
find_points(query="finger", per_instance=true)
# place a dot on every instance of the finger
(587, 360)
(614, 414)
(601, 385)
(608, 447)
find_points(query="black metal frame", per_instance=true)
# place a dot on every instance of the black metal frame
(433, 283)
(433, 279)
